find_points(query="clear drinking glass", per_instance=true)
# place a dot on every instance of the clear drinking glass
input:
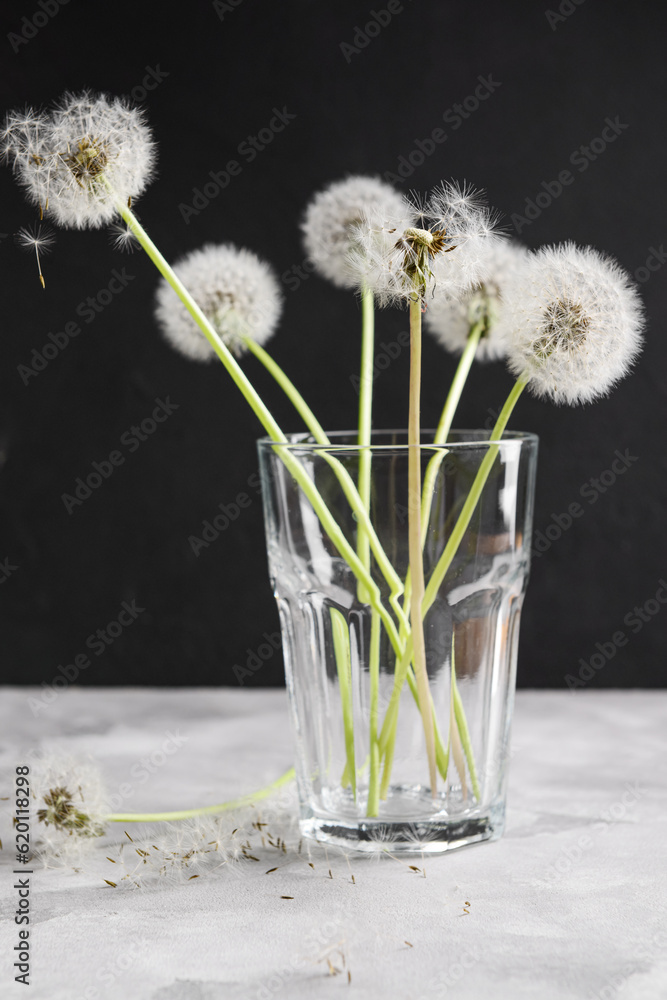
(361, 759)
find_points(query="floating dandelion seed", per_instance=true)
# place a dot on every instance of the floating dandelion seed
(123, 237)
(39, 239)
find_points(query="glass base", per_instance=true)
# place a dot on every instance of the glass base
(398, 836)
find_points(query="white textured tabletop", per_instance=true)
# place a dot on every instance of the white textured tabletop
(569, 904)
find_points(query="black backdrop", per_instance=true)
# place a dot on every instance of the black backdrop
(363, 99)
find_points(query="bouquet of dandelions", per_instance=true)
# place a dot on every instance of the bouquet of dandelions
(567, 320)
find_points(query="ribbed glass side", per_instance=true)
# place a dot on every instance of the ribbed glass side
(358, 729)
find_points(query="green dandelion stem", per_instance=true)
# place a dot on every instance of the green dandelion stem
(244, 800)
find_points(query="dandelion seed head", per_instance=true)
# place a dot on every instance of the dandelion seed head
(446, 249)
(237, 292)
(78, 159)
(450, 319)
(573, 321)
(70, 804)
(332, 219)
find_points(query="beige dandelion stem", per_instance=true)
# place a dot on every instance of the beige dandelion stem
(414, 535)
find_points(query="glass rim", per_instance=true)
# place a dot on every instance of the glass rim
(294, 444)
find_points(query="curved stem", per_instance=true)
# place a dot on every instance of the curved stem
(352, 494)
(445, 422)
(244, 800)
(458, 383)
(252, 397)
(290, 390)
(267, 420)
(465, 517)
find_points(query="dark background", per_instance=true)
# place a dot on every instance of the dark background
(223, 73)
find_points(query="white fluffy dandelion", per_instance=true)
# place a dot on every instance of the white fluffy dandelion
(450, 319)
(70, 806)
(470, 230)
(78, 160)
(447, 248)
(237, 292)
(573, 321)
(333, 216)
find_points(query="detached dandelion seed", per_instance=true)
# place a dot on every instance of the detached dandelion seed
(122, 238)
(39, 239)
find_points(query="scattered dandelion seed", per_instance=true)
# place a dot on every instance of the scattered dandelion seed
(38, 239)
(287, 897)
(123, 237)
(409, 944)
(112, 884)
(270, 870)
